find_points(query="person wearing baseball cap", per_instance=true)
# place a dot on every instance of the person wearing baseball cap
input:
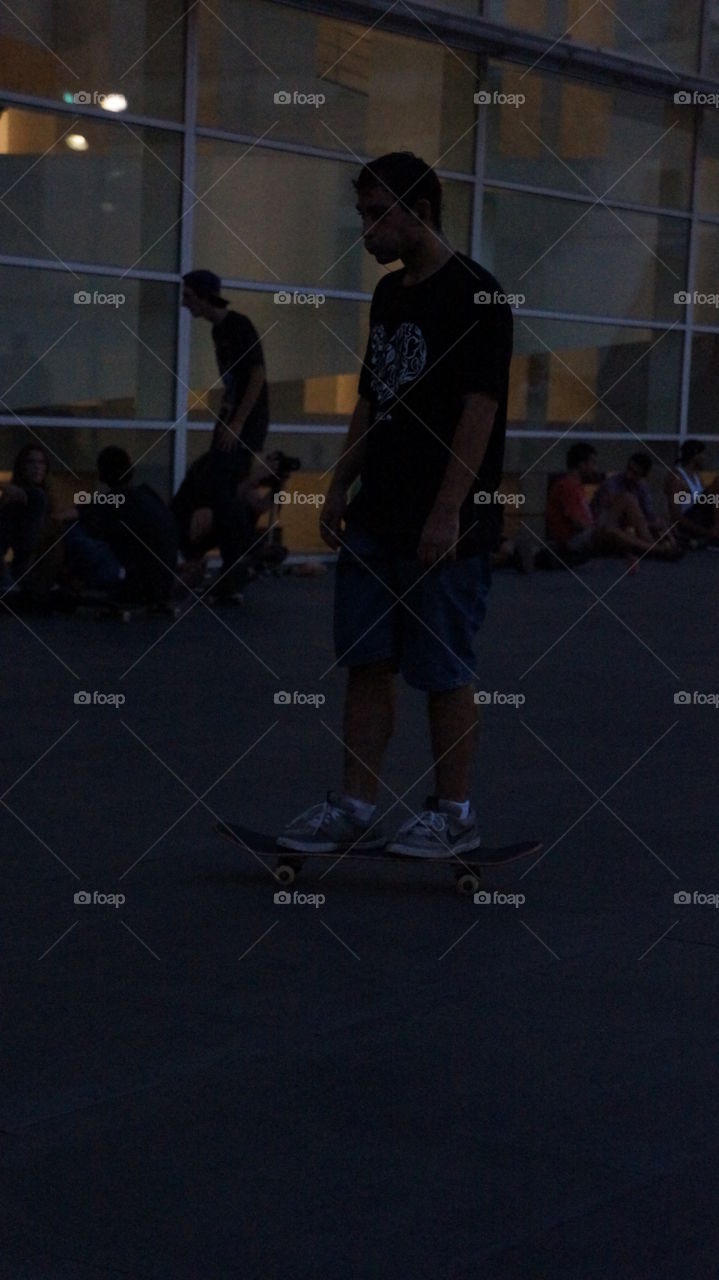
(239, 435)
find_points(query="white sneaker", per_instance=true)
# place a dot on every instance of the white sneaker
(329, 826)
(437, 832)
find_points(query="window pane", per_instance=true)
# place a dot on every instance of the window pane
(704, 392)
(560, 368)
(61, 48)
(99, 357)
(87, 191)
(314, 234)
(312, 355)
(658, 34)
(587, 139)
(706, 284)
(73, 453)
(382, 92)
(708, 163)
(566, 256)
(711, 51)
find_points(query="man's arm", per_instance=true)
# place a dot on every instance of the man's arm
(346, 470)
(230, 431)
(469, 445)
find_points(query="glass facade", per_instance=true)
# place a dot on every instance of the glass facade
(139, 141)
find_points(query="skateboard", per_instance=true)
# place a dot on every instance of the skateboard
(466, 868)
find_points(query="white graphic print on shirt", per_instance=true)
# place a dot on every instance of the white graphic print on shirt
(397, 360)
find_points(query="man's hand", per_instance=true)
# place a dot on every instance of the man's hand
(227, 438)
(439, 536)
(331, 515)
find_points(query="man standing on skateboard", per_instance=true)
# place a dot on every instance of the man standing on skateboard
(426, 440)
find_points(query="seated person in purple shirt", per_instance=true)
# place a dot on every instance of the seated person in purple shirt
(625, 498)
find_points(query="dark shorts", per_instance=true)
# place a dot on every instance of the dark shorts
(391, 608)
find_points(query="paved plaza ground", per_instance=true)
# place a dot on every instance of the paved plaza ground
(201, 1084)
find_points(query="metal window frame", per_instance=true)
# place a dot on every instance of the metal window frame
(488, 40)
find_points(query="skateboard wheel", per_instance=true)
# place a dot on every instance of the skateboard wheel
(467, 883)
(285, 873)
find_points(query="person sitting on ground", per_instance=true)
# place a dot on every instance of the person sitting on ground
(574, 532)
(128, 543)
(23, 511)
(633, 481)
(696, 507)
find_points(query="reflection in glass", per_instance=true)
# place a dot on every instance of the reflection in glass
(84, 191)
(588, 139)
(660, 34)
(312, 356)
(381, 92)
(97, 356)
(567, 256)
(62, 49)
(560, 369)
(313, 236)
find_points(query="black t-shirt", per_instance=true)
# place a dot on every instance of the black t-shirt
(141, 530)
(238, 350)
(430, 344)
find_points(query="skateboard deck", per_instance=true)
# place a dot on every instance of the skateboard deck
(465, 867)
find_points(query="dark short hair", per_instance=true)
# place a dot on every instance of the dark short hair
(690, 449)
(408, 177)
(19, 469)
(578, 454)
(641, 462)
(114, 466)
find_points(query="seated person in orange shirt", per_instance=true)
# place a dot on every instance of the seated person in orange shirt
(572, 528)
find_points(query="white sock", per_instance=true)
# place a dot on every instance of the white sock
(362, 809)
(460, 807)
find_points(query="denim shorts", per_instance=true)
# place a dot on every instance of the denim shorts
(423, 621)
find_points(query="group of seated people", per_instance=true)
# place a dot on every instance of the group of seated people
(127, 543)
(122, 539)
(621, 517)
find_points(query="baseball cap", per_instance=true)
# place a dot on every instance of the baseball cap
(205, 284)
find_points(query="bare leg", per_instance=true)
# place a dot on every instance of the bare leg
(368, 725)
(625, 513)
(453, 723)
